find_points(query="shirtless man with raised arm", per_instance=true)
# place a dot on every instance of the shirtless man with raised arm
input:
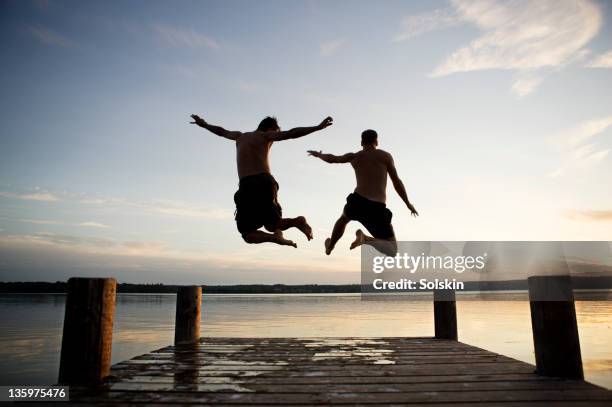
(367, 203)
(256, 199)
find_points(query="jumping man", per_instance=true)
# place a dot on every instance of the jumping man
(256, 199)
(367, 204)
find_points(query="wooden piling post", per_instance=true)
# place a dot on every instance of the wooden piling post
(445, 314)
(188, 314)
(555, 330)
(88, 331)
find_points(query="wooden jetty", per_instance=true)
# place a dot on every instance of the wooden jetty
(433, 371)
(322, 371)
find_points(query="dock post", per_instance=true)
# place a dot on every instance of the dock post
(88, 331)
(445, 314)
(188, 314)
(555, 329)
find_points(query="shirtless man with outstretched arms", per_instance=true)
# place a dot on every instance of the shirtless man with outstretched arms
(256, 199)
(367, 204)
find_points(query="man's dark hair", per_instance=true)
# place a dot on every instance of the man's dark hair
(369, 137)
(267, 124)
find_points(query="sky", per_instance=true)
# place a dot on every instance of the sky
(498, 115)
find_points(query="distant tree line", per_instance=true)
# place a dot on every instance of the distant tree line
(600, 282)
(60, 287)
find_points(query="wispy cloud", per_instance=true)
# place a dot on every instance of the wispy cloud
(525, 84)
(49, 37)
(590, 215)
(154, 207)
(180, 37)
(161, 207)
(38, 196)
(582, 133)
(329, 48)
(192, 212)
(86, 244)
(602, 61)
(41, 221)
(576, 148)
(93, 225)
(412, 26)
(88, 224)
(524, 35)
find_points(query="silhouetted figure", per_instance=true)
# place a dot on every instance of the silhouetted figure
(367, 204)
(256, 199)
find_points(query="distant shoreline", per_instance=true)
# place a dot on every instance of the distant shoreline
(58, 287)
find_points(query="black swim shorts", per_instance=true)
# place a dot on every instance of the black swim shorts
(257, 204)
(375, 216)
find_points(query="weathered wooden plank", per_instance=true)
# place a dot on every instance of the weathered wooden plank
(344, 359)
(282, 348)
(479, 404)
(306, 352)
(169, 377)
(228, 342)
(292, 340)
(232, 386)
(331, 369)
(246, 346)
(342, 398)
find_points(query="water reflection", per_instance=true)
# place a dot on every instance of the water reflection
(31, 336)
(186, 377)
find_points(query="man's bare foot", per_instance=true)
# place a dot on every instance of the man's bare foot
(280, 239)
(359, 239)
(304, 227)
(328, 248)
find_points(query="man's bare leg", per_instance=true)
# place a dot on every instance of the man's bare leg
(337, 233)
(385, 246)
(257, 236)
(299, 222)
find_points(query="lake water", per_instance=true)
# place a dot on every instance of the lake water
(32, 326)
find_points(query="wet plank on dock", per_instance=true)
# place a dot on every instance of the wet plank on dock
(322, 371)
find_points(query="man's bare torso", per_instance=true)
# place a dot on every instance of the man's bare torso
(371, 168)
(252, 151)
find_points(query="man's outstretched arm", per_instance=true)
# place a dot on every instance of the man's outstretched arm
(332, 159)
(299, 131)
(398, 185)
(218, 130)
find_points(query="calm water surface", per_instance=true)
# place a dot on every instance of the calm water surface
(32, 326)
